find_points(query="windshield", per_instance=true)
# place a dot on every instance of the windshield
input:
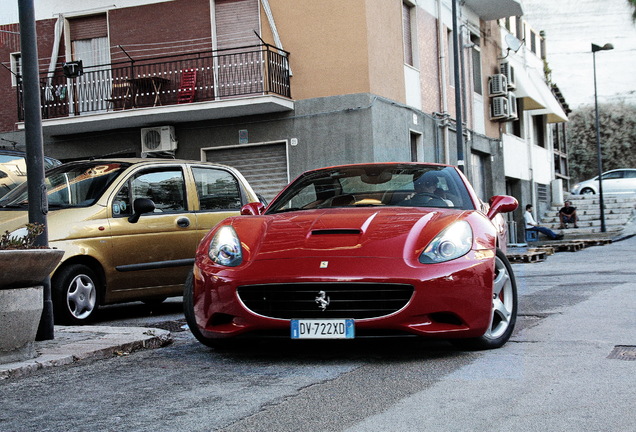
(376, 185)
(76, 184)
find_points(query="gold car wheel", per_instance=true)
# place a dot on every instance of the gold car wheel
(75, 294)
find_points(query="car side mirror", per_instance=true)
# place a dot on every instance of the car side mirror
(141, 206)
(501, 204)
(253, 209)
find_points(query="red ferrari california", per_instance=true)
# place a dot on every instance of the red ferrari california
(359, 250)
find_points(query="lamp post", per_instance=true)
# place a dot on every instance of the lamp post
(596, 48)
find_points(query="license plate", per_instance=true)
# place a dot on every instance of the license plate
(322, 329)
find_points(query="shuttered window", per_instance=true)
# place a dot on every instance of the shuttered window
(90, 27)
(236, 22)
(240, 71)
(264, 166)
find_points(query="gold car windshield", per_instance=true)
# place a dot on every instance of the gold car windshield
(78, 184)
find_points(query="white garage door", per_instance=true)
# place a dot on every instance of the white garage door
(264, 166)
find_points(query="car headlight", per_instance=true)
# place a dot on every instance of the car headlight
(455, 241)
(225, 247)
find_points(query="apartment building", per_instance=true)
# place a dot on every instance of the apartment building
(276, 87)
(533, 138)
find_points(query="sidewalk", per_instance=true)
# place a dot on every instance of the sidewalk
(72, 344)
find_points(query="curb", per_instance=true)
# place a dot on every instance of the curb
(77, 344)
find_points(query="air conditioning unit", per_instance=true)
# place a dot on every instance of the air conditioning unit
(509, 72)
(512, 106)
(499, 108)
(497, 85)
(158, 139)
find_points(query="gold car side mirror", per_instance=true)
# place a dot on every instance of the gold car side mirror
(141, 206)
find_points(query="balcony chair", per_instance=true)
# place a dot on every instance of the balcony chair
(187, 87)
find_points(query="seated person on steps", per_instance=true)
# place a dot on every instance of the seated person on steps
(567, 215)
(532, 225)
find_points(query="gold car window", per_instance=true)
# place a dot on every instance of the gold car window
(217, 189)
(166, 188)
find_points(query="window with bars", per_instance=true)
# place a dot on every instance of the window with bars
(542, 193)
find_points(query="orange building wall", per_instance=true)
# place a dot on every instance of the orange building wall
(341, 47)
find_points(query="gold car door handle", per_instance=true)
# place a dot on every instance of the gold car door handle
(183, 222)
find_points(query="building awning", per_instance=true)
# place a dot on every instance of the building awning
(492, 10)
(537, 96)
(526, 89)
(553, 111)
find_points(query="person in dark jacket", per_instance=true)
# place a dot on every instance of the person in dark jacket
(567, 215)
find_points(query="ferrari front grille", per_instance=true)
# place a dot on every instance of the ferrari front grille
(325, 300)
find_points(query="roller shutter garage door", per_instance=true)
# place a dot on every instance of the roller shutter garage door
(264, 166)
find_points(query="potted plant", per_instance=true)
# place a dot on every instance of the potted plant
(23, 268)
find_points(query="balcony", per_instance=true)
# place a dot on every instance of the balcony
(198, 86)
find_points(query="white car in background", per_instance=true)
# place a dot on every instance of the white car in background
(614, 182)
(13, 169)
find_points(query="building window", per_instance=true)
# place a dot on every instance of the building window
(479, 169)
(16, 67)
(517, 124)
(416, 139)
(533, 41)
(476, 56)
(538, 125)
(408, 33)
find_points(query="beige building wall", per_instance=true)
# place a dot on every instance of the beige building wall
(429, 62)
(356, 46)
(341, 47)
(490, 58)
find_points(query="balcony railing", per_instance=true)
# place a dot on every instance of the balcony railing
(161, 81)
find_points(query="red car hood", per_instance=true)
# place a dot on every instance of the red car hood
(387, 232)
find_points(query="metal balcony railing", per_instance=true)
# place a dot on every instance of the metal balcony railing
(231, 73)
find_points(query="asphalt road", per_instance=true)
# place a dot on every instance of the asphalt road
(556, 374)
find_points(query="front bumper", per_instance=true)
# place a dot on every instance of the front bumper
(452, 299)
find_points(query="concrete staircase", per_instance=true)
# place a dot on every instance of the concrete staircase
(619, 210)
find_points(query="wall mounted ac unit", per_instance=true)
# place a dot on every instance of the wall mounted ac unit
(509, 72)
(512, 106)
(497, 85)
(158, 139)
(499, 108)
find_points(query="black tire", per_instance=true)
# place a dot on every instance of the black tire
(75, 291)
(188, 311)
(587, 191)
(504, 310)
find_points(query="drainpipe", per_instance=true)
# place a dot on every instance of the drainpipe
(442, 82)
(458, 96)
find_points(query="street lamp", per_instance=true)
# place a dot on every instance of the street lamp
(596, 48)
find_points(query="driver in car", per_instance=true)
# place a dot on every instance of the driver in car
(426, 193)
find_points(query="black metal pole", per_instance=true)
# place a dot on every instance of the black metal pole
(598, 143)
(38, 205)
(458, 92)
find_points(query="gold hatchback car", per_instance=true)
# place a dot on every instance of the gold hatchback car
(129, 228)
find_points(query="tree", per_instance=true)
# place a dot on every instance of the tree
(632, 3)
(618, 139)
